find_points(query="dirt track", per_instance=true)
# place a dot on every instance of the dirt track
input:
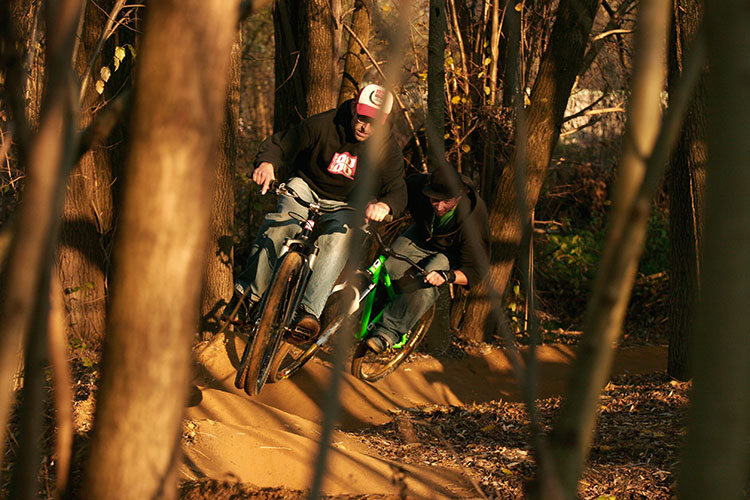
(271, 440)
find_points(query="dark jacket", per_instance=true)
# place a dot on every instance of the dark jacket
(465, 241)
(323, 151)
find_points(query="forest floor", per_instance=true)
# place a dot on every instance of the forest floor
(446, 425)
(450, 423)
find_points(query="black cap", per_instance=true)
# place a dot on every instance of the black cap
(444, 183)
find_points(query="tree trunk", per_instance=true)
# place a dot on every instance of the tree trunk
(355, 59)
(306, 60)
(289, 97)
(217, 289)
(549, 98)
(686, 180)
(715, 462)
(319, 61)
(24, 294)
(160, 248)
(88, 219)
(637, 181)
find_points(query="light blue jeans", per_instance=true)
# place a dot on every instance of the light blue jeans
(407, 307)
(333, 241)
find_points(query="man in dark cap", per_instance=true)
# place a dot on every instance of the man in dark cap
(450, 237)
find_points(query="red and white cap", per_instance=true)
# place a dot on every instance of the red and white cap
(374, 101)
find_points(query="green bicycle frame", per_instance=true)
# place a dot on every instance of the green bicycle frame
(381, 277)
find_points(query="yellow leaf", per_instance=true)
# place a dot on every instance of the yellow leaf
(464, 100)
(455, 99)
(105, 73)
(449, 61)
(117, 64)
(487, 90)
(446, 136)
(423, 75)
(481, 74)
(465, 148)
(519, 6)
(487, 60)
(506, 471)
(99, 86)
(119, 53)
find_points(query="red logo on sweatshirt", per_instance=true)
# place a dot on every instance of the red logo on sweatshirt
(343, 164)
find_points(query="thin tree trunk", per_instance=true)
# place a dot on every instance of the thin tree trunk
(716, 460)
(549, 98)
(355, 59)
(217, 289)
(686, 186)
(573, 430)
(436, 86)
(160, 248)
(24, 294)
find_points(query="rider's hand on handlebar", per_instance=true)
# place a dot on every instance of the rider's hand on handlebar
(377, 211)
(434, 278)
(264, 175)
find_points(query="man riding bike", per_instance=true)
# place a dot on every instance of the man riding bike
(327, 153)
(450, 236)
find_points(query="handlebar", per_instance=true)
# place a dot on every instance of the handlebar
(283, 188)
(387, 250)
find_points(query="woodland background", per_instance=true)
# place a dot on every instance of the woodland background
(128, 131)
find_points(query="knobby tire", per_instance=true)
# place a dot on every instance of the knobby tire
(260, 351)
(371, 367)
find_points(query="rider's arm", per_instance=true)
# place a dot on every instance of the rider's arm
(280, 149)
(392, 190)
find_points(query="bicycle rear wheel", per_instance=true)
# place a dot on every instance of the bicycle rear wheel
(267, 336)
(370, 367)
(291, 358)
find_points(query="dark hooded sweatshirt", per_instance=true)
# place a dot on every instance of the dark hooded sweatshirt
(465, 240)
(323, 151)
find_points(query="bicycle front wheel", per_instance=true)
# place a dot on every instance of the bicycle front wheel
(370, 367)
(267, 336)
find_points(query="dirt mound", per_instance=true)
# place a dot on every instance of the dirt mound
(271, 441)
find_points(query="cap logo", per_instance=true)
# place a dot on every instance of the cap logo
(377, 96)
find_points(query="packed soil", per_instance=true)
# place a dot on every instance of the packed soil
(448, 424)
